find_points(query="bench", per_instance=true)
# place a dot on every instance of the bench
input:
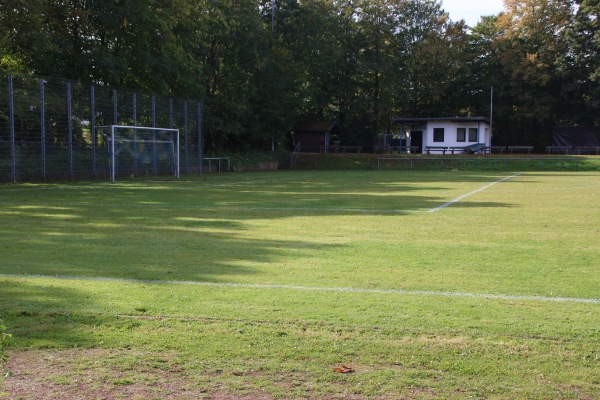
(559, 149)
(587, 150)
(497, 149)
(512, 149)
(459, 149)
(429, 149)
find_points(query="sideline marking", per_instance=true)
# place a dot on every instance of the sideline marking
(313, 288)
(456, 200)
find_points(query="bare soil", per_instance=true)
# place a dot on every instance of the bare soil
(81, 374)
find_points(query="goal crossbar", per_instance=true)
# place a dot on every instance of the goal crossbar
(113, 140)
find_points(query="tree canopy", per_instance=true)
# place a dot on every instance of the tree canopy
(261, 66)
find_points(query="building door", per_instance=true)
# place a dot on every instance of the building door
(416, 139)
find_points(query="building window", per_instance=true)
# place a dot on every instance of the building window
(438, 134)
(461, 134)
(473, 135)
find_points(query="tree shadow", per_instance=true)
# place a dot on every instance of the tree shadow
(175, 231)
(192, 230)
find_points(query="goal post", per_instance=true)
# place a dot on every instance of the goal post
(141, 151)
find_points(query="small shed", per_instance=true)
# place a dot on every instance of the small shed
(314, 135)
(443, 134)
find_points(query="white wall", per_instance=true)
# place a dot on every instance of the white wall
(450, 134)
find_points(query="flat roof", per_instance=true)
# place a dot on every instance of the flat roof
(450, 119)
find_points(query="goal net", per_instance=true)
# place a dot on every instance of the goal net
(141, 151)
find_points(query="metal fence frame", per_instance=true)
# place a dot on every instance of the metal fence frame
(48, 127)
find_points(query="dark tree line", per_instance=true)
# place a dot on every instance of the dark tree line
(260, 65)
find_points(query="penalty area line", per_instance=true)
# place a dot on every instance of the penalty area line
(314, 288)
(456, 200)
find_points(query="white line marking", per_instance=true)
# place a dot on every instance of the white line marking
(456, 200)
(315, 288)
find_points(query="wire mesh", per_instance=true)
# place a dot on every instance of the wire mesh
(49, 127)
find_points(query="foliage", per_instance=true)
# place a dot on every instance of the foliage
(260, 66)
(582, 64)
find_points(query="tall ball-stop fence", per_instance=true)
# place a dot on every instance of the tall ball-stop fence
(54, 129)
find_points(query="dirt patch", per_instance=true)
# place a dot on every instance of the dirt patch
(90, 374)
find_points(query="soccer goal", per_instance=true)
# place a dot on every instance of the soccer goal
(141, 151)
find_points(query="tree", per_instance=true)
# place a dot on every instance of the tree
(23, 35)
(581, 66)
(528, 51)
(432, 61)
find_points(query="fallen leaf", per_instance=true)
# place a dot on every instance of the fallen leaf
(343, 370)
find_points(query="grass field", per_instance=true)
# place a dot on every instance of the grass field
(258, 285)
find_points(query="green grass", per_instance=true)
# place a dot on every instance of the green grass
(277, 278)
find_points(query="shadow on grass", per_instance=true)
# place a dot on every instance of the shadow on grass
(36, 315)
(201, 229)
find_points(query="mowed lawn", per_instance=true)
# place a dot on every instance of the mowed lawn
(259, 285)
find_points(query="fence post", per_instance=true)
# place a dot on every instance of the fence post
(135, 134)
(43, 126)
(200, 139)
(93, 127)
(11, 116)
(154, 155)
(186, 139)
(70, 128)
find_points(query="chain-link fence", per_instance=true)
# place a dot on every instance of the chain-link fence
(49, 127)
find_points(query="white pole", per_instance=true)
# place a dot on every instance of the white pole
(112, 153)
(177, 156)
